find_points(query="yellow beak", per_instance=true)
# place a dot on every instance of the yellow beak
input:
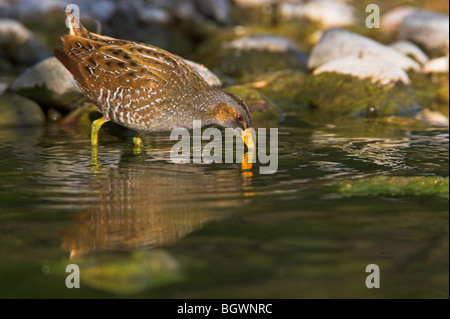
(248, 138)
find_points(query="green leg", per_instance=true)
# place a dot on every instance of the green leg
(137, 142)
(95, 128)
(137, 139)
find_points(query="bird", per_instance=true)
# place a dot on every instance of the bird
(145, 88)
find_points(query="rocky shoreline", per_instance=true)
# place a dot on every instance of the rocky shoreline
(311, 58)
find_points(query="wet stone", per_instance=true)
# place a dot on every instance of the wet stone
(16, 110)
(49, 84)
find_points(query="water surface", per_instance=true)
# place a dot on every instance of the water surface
(141, 226)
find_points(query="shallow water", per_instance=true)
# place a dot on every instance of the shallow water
(140, 226)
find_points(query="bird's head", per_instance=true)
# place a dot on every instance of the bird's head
(230, 111)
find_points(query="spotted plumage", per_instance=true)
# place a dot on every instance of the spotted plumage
(144, 87)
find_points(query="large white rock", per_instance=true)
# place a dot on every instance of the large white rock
(329, 13)
(391, 20)
(368, 67)
(337, 43)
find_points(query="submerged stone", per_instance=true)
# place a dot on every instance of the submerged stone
(16, 110)
(396, 186)
(141, 271)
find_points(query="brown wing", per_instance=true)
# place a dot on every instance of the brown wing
(128, 76)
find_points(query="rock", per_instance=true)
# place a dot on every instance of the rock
(205, 73)
(433, 118)
(326, 97)
(328, 12)
(431, 92)
(3, 87)
(219, 10)
(16, 110)
(430, 30)
(377, 70)
(263, 42)
(395, 186)
(391, 20)
(18, 44)
(253, 3)
(26, 8)
(99, 9)
(253, 55)
(438, 65)
(153, 14)
(49, 84)
(338, 43)
(410, 49)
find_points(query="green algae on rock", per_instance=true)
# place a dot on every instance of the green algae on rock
(338, 94)
(16, 110)
(396, 186)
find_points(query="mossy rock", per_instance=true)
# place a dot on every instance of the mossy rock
(283, 87)
(263, 111)
(330, 95)
(242, 58)
(16, 110)
(431, 90)
(396, 186)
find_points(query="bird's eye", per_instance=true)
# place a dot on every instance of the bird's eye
(239, 118)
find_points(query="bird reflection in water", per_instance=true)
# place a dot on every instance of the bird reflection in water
(157, 204)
